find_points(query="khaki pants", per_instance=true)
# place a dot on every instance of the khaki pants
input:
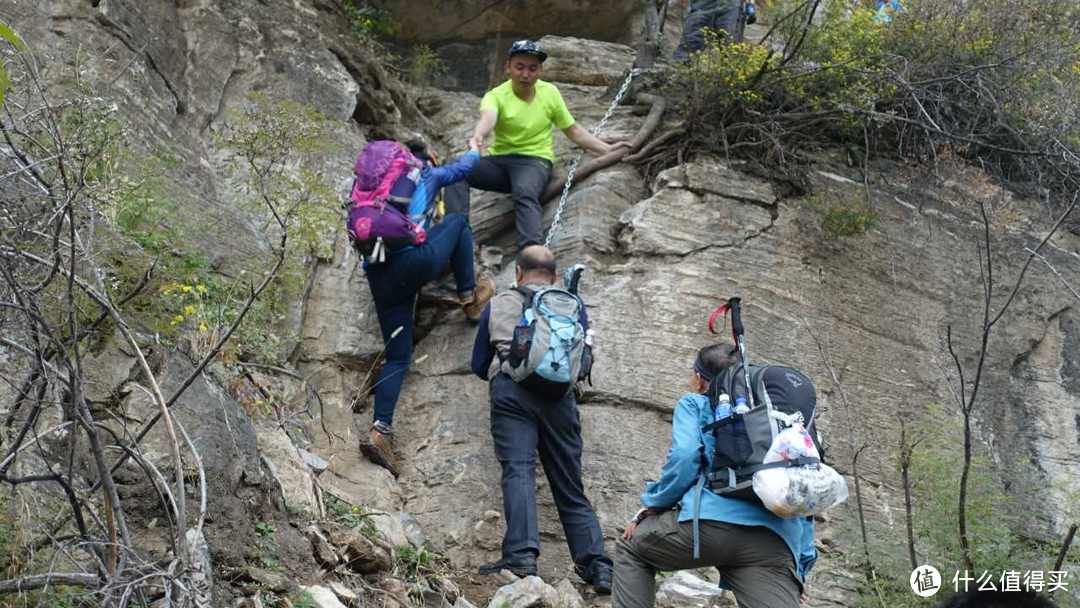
(753, 560)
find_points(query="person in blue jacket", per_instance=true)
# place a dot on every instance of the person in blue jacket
(396, 282)
(887, 9)
(763, 558)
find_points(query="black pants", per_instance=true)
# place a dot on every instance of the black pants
(523, 426)
(524, 177)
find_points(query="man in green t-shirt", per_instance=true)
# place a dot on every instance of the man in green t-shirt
(522, 111)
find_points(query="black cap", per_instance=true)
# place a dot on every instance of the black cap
(527, 47)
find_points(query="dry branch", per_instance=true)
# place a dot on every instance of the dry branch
(659, 104)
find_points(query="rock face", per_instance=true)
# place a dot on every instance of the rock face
(587, 62)
(709, 231)
(175, 70)
(870, 308)
(478, 19)
(290, 472)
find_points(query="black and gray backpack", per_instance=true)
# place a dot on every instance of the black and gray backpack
(744, 439)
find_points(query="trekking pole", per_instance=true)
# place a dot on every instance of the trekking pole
(738, 333)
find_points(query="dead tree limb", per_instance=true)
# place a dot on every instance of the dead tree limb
(37, 581)
(659, 105)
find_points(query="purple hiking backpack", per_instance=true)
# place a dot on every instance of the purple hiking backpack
(386, 176)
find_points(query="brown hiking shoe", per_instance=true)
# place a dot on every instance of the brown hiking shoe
(484, 291)
(379, 448)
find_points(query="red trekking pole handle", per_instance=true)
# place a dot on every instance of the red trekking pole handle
(734, 306)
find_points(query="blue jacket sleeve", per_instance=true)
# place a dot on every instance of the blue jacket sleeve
(683, 465)
(808, 554)
(483, 352)
(455, 171)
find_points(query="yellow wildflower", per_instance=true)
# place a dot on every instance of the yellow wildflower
(177, 320)
(189, 310)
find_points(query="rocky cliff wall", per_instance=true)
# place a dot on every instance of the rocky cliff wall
(871, 308)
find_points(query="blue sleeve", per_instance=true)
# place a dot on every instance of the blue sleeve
(455, 171)
(683, 465)
(808, 554)
(483, 352)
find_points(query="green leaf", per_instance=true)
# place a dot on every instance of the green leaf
(5, 84)
(9, 34)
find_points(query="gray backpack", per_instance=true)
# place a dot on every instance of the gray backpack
(548, 349)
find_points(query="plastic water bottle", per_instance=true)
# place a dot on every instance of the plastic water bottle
(751, 13)
(740, 405)
(723, 405)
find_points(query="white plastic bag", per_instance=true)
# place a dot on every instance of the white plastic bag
(798, 491)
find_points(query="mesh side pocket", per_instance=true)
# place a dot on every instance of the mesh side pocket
(742, 439)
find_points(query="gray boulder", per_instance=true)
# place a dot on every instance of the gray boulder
(529, 592)
(686, 590)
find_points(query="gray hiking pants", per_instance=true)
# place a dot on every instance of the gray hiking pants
(725, 15)
(752, 560)
(523, 177)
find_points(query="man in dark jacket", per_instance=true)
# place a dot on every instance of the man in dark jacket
(524, 424)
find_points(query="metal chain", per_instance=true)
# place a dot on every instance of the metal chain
(573, 167)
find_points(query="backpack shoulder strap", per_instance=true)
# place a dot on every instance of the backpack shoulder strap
(757, 378)
(527, 296)
(731, 376)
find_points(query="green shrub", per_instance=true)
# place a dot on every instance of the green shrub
(353, 516)
(367, 20)
(1001, 78)
(424, 66)
(843, 216)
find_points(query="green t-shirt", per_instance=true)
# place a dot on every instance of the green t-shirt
(525, 127)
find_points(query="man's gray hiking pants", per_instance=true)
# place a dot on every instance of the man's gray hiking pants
(752, 560)
(524, 178)
(716, 15)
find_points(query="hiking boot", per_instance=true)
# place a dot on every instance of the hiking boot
(485, 289)
(520, 570)
(601, 582)
(600, 577)
(379, 448)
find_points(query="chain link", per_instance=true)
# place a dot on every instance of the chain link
(573, 167)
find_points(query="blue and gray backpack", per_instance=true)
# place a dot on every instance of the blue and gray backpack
(548, 353)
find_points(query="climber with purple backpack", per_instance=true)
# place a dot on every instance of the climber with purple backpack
(391, 213)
